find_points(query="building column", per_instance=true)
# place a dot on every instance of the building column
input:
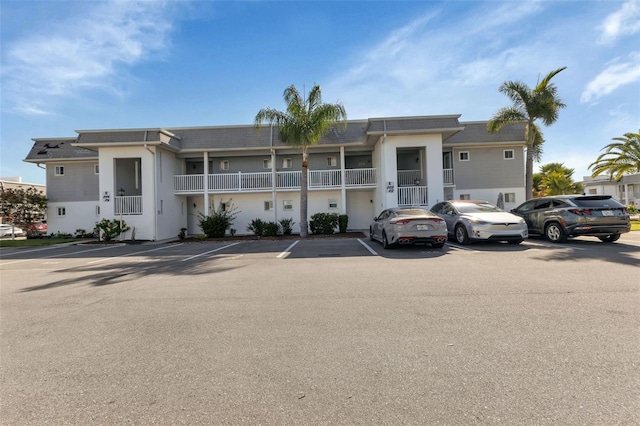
(205, 184)
(435, 178)
(343, 189)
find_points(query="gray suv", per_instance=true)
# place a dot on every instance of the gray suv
(564, 216)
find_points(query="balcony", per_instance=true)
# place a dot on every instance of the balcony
(412, 196)
(410, 177)
(127, 205)
(264, 181)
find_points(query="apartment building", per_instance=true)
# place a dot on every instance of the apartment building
(162, 179)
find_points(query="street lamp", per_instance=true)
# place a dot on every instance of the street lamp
(121, 194)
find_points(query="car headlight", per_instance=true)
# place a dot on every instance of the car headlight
(478, 222)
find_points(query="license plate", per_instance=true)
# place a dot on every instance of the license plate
(607, 212)
(422, 227)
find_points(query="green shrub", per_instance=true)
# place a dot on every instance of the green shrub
(201, 237)
(287, 225)
(109, 229)
(256, 226)
(216, 225)
(323, 223)
(271, 229)
(632, 209)
(343, 220)
(182, 234)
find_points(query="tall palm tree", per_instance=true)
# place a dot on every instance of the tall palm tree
(619, 157)
(303, 124)
(529, 105)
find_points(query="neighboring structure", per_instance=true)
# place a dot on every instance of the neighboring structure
(160, 180)
(626, 190)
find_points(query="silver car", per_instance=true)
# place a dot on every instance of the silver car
(9, 230)
(469, 220)
(408, 226)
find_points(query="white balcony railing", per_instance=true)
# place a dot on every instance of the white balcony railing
(263, 181)
(447, 176)
(128, 204)
(408, 177)
(412, 196)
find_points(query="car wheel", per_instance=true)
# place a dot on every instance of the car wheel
(515, 241)
(555, 233)
(385, 242)
(371, 234)
(437, 245)
(610, 238)
(461, 235)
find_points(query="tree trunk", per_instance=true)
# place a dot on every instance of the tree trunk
(531, 137)
(304, 186)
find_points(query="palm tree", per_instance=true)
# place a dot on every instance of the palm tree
(529, 105)
(619, 157)
(555, 179)
(303, 124)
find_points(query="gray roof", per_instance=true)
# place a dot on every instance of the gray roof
(193, 139)
(44, 150)
(476, 132)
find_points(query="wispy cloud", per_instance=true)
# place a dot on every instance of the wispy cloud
(614, 76)
(623, 22)
(84, 52)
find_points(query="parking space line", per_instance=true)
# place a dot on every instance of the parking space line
(133, 254)
(368, 247)
(59, 255)
(457, 247)
(210, 251)
(287, 251)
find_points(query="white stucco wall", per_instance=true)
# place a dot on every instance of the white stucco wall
(78, 215)
(491, 195)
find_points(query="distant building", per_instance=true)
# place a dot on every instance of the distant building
(626, 190)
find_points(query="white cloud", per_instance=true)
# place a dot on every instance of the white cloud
(83, 52)
(616, 75)
(625, 21)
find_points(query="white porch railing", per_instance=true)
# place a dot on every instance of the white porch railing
(128, 204)
(412, 196)
(408, 177)
(447, 176)
(263, 181)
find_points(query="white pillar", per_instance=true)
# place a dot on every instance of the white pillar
(435, 178)
(206, 183)
(343, 190)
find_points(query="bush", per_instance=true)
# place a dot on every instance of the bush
(632, 209)
(182, 234)
(110, 229)
(256, 226)
(343, 220)
(271, 229)
(287, 226)
(216, 225)
(323, 223)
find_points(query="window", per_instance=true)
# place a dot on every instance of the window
(62, 211)
(59, 170)
(268, 205)
(266, 163)
(287, 205)
(286, 163)
(224, 165)
(507, 154)
(96, 169)
(332, 161)
(593, 191)
(465, 196)
(333, 203)
(463, 155)
(510, 197)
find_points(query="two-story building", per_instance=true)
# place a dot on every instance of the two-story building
(162, 179)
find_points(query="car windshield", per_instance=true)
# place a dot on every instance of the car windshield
(477, 208)
(412, 212)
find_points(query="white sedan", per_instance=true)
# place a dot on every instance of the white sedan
(8, 230)
(408, 226)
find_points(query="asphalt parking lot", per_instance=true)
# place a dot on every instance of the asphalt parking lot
(321, 331)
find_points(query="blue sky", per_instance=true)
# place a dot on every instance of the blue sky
(70, 65)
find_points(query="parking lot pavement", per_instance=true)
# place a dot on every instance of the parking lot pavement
(328, 333)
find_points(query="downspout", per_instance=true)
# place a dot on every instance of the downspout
(42, 167)
(155, 206)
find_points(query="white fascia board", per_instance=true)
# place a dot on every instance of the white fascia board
(415, 132)
(62, 160)
(482, 144)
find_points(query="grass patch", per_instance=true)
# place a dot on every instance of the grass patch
(36, 242)
(635, 225)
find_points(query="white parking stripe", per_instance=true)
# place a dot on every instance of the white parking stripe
(61, 255)
(368, 247)
(287, 251)
(133, 254)
(210, 251)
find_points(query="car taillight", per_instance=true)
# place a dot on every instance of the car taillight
(402, 221)
(580, 212)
